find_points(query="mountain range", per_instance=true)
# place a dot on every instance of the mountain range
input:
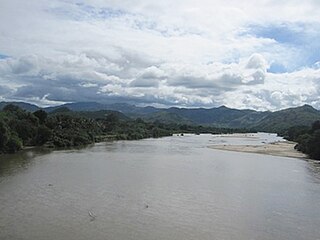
(219, 117)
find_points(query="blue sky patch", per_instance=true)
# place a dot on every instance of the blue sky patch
(300, 39)
(84, 12)
(277, 68)
(285, 33)
(3, 56)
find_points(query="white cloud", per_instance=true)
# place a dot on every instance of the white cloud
(158, 52)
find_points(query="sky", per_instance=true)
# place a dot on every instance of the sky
(262, 54)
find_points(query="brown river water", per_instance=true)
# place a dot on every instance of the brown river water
(168, 188)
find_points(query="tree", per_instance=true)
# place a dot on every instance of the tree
(11, 108)
(155, 132)
(314, 145)
(4, 135)
(316, 126)
(294, 132)
(41, 115)
(112, 118)
(26, 131)
(44, 134)
(111, 121)
(14, 144)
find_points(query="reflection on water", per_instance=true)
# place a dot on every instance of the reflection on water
(168, 188)
(314, 170)
(13, 163)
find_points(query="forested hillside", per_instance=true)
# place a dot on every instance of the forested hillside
(277, 121)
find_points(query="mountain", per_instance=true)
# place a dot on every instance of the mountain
(220, 117)
(80, 106)
(25, 106)
(248, 120)
(88, 114)
(167, 118)
(94, 106)
(102, 114)
(260, 121)
(283, 119)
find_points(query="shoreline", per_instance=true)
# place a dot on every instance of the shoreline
(281, 149)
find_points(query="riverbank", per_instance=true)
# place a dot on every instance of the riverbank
(282, 149)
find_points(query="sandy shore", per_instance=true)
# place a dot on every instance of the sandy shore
(283, 149)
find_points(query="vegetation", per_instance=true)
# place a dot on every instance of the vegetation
(64, 128)
(21, 128)
(277, 121)
(308, 139)
(280, 121)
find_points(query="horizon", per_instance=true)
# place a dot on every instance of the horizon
(262, 56)
(166, 107)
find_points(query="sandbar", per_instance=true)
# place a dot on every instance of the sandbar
(281, 148)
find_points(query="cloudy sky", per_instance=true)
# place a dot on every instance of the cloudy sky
(262, 54)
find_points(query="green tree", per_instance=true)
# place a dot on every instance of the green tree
(11, 108)
(4, 135)
(41, 115)
(26, 131)
(316, 125)
(44, 134)
(14, 144)
(314, 145)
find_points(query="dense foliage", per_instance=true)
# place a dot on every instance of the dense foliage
(308, 139)
(65, 128)
(20, 128)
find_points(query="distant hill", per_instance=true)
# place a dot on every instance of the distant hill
(88, 114)
(248, 120)
(102, 114)
(94, 106)
(219, 117)
(260, 121)
(167, 118)
(23, 105)
(277, 121)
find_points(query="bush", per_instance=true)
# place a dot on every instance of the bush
(314, 145)
(44, 135)
(41, 115)
(14, 144)
(4, 135)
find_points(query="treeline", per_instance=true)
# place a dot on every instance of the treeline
(19, 128)
(307, 138)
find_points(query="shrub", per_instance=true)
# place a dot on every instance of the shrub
(14, 144)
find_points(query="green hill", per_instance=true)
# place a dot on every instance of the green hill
(23, 105)
(218, 117)
(284, 119)
(221, 116)
(88, 114)
(166, 118)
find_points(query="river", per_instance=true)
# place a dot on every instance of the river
(167, 188)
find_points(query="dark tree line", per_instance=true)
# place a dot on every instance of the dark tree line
(20, 128)
(308, 139)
